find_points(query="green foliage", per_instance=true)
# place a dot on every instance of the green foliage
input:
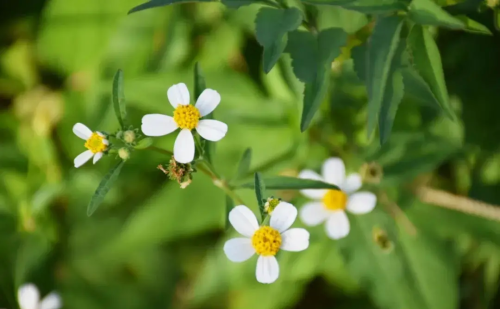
(259, 186)
(118, 98)
(292, 183)
(158, 3)
(229, 207)
(364, 6)
(427, 12)
(104, 186)
(244, 165)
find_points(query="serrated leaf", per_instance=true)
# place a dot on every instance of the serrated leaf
(314, 92)
(234, 4)
(271, 27)
(199, 81)
(159, 3)
(358, 55)
(229, 207)
(426, 12)
(365, 6)
(381, 49)
(418, 89)
(302, 47)
(290, 183)
(104, 187)
(473, 26)
(427, 62)
(144, 143)
(260, 193)
(244, 165)
(118, 99)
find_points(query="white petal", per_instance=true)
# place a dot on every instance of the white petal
(82, 158)
(352, 183)
(313, 213)
(207, 101)
(311, 193)
(28, 296)
(283, 216)
(361, 202)
(105, 142)
(267, 270)
(51, 301)
(82, 131)
(158, 125)
(239, 249)
(178, 94)
(184, 147)
(295, 240)
(212, 130)
(97, 157)
(333, 171)
(243, 220)
(337, 226)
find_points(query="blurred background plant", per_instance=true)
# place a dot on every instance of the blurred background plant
(154, 245)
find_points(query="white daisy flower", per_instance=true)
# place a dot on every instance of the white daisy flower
(95, 142)
(330, 205)
(29, 298)
(186, 117)
(266, 241)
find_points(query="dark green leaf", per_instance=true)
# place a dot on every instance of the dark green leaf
(229, 207)
(234, 4)
(365, 6)
(473, 26)
(244, 165)
(314, 93)
(104, 187)
(418, 89)
(427, 62)
(119, 99)
(260, 193)
(497, 18)
(463, 7)
(199, 81)
(144, 143)
(271, 27)
(290, 183)
(158, 3)
(381, 49)
(302, 47)
(426, 12)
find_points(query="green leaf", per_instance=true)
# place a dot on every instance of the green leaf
(381, 49)
(229, 207)
(234, 4)
(244, 165)
(271, 27)
(365, 6)
(104, 187)
(427, 62)
(418, 89)
(290, 183)
(426, 12)
(473, 26)
(158, 3)
(314, 92)
(199, 81)
(260, 193)
(119, 99)
(358, 55)
(144, 143)
(302, 47)
(497, 18)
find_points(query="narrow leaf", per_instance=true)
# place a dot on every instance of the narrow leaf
(199, 80)
(119, 99)
(427, 62)
(358, 55)
(244, 165)
(229, 207)
(426, 12)
(290, 183)
(260, 193)
(158, 3)
(473, 26)
(104, 187)
(235, 4)
(314, 93)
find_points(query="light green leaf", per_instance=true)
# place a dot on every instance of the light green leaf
(234, 4)
(199, 81)
(290, 183)
(244, 165)
(426, 12)
(104, 187)
(418, 89)
(381, 49)
(260, 193)
(271, 27)
(144, 143)
(365, 6)
(427, 62)
(119, 99)
(158, 3)
(229, 207)
(473, 26)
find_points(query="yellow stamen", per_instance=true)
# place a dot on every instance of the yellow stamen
(335, 200)
(186, 116)
(266, 241)
(95, 143)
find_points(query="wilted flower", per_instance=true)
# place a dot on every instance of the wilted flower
(266, 241)
(95, 142)
(186, 117)
(330, 205)
(29, 298)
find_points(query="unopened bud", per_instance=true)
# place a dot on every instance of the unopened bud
(129, 136)
(271, 204)
(124, 154)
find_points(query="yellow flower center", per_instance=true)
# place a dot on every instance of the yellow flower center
(95, 143)
(186, 116)
(266, 241)
(335, 200)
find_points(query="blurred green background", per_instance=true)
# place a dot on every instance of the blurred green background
(153, 245)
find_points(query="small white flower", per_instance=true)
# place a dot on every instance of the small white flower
(330, 205)
(266, 241)
(29, 298)
(186, 117)
(95, 142)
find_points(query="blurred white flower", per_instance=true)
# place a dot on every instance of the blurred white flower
(186, 117)
(28, 297)
(330, 205)
(95, 142)
(266, 241)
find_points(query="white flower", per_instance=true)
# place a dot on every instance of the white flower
(266, 241)
(186, 117)
(95, 142)
(29, 298)
(330, 205)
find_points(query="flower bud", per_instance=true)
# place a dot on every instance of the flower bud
(270, 204)
(124, 154)
(129, 136)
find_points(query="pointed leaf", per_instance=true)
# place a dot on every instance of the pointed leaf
(158, 3)
(234, 4)
(260, 193)
(229, 207)
(314, 92)
(119, 99)
(302, 47)
(106, 183)
(359, 55)
(426, 12)
(290, 183)
(473, 26)
(199, 81)
(244, 165)
(418, 89)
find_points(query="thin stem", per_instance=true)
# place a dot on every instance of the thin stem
(398, 214)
